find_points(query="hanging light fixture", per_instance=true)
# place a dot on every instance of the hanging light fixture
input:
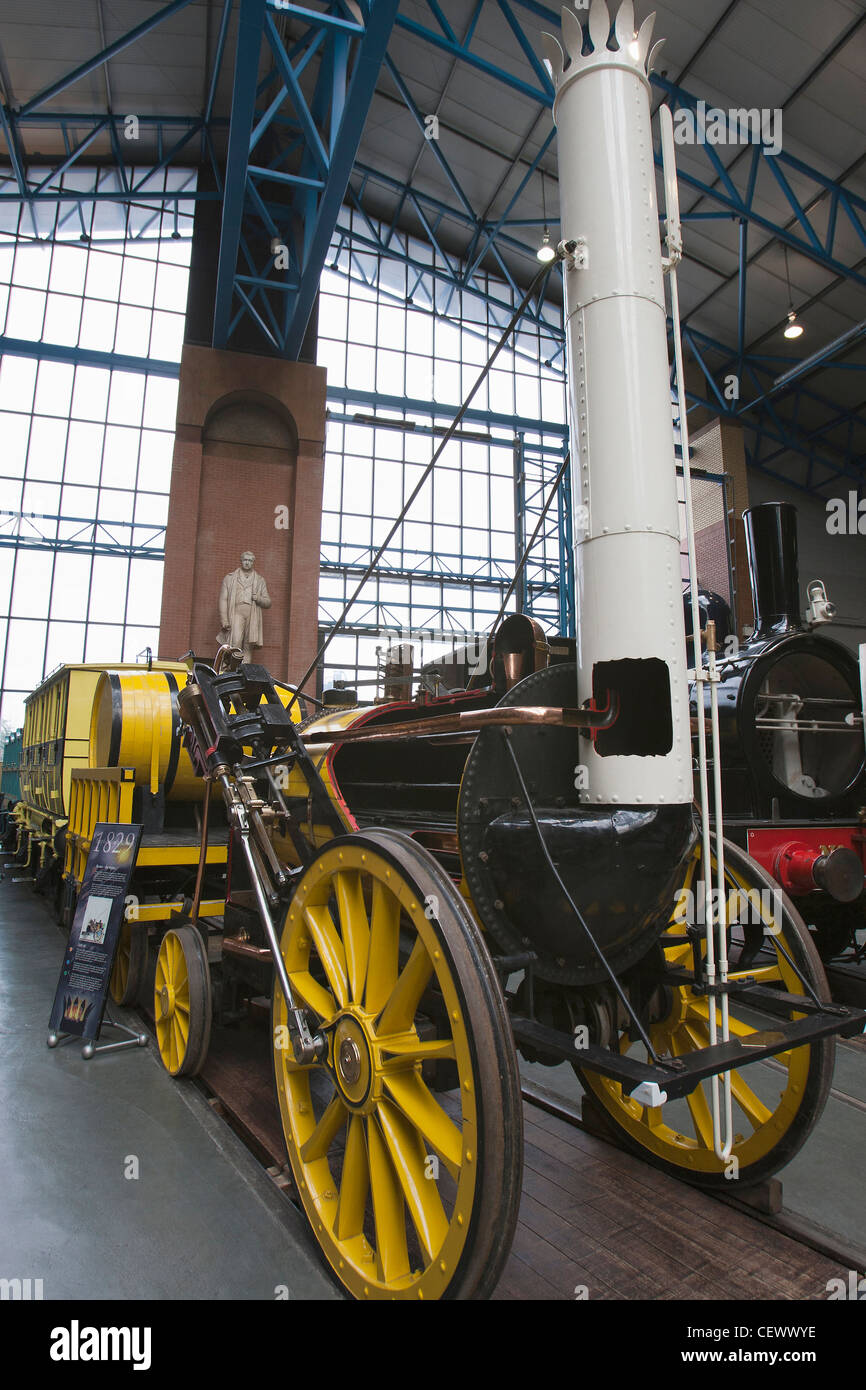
(545, 252)
(793, 329)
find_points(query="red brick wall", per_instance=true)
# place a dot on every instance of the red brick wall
(224, 496)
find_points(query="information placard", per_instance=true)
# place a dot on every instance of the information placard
(82, 990)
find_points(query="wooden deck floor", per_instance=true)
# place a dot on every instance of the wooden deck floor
(595, 1222)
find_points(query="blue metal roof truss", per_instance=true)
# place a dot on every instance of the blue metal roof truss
(291, 168)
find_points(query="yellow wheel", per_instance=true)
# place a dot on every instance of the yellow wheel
(776, 1103)
(130, 964)
(182, 1001)
(406, 1141)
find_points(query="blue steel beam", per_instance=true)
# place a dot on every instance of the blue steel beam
(368, 62)
(218, 60)
(452, 46)
(330, 128)
(251, 21)
(99, 59)
(845, 206)
(742, 205)
(87, 357)
(72, 195)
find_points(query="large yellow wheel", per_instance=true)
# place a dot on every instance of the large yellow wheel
(182, 1001)
(776, 1103)
(130, 964)
(406, 1141)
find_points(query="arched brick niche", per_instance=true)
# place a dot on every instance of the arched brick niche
(248, 454)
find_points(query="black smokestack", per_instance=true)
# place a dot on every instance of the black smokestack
(771, 547)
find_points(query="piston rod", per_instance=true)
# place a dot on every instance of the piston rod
(307, 1046)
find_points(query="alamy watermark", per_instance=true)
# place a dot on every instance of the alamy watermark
(846, 516)
(743, 908)
(77, 1343)
(21, 1290)
(739, 125)
(853, 1289)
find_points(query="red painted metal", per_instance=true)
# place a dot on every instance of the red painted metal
(790, 855)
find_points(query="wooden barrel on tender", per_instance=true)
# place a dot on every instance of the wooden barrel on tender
(134, 723)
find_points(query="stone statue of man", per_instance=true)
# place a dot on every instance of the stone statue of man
(242, 597)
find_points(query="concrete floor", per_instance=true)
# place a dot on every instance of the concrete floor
(201, 1221)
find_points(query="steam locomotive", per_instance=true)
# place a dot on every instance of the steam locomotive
(426, 887)
(793, 761)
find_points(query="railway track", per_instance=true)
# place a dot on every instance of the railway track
(238, 1084)
(760, 1203)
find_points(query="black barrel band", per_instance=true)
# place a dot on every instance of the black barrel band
(116, 718)
(174, 754)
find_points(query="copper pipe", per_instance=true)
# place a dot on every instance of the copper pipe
(236, 947)
(471, 721)
(513, 663)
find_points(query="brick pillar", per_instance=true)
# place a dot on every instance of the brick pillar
(248, 455)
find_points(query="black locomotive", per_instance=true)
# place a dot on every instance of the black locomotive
(793, 757)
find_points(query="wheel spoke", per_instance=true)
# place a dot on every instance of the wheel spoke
(412, 1049)
(702, 1117)
(652, 1117)
(356, 929)
(384, 947)
(330, 949)
(402, 1006)
(326, 1131)
(311, 993)
(683, 1041)
(419, 1190)
(355, 1183)
(761, 972)
(700, 1009)
(755, 1110)
(420, 1107)
(698, 1034)
(388, 1210)
(677, 955)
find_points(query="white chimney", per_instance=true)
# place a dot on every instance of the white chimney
(624, 493)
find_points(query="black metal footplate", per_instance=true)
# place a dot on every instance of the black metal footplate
(671, 1078)
(770, 1000)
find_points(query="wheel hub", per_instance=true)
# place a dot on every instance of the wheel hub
(166, 1001)
(352, 1061)
(349, 1061)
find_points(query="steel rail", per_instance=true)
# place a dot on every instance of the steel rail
(800, 1229)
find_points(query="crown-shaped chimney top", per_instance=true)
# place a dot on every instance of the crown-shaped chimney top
(587, 46)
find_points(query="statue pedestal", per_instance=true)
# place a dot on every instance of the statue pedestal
(247, 475)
